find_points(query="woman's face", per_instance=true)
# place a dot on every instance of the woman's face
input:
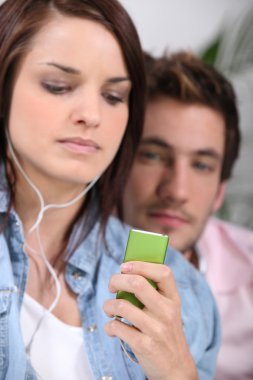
(69, 107)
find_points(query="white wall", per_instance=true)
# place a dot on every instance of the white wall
(177, 24)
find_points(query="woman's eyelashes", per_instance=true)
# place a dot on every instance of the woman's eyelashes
(111, 97)
(118, 93)
(56, 88)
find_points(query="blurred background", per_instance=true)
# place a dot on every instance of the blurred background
(221, 33)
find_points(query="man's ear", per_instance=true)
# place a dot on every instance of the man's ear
(219, 196)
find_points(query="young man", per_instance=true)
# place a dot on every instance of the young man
(189, 145)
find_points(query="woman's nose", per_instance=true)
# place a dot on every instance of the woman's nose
(86, 111)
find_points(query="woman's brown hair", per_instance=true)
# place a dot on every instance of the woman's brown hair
(20, 21)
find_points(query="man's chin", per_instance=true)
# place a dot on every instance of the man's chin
(179, 242)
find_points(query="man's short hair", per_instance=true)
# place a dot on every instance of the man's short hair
(187, 79)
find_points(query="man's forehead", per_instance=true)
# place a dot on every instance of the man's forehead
(190, 127)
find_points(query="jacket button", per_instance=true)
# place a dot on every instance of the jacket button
(91, 329)
(77, 275)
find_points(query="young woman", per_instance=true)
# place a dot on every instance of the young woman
(72, 97)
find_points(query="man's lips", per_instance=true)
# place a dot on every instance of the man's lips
(168, 219)
(80, 145)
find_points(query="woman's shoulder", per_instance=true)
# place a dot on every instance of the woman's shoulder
(116, 236)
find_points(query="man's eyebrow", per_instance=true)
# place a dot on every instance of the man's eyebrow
(155, 141)
(206, 152)
(72, 70)
(209, 152)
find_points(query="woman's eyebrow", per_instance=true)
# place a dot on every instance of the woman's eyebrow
(72, 70)
(118, 79)
(65, 69)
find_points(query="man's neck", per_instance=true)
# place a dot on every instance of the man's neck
(192, 257)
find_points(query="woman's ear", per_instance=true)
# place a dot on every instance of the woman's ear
(219, 198)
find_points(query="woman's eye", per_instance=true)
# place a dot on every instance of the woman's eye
(113, 99)
(57, 89)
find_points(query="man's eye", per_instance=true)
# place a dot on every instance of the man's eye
(203, 167)
(56, 88)
(151, 156)
(112, 99)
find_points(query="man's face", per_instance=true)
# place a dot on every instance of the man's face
(175, 181)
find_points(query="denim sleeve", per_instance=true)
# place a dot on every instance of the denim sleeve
(199, 314)
(207, 364)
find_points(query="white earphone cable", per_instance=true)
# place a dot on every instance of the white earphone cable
(35, 227)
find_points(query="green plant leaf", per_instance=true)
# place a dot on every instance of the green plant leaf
(209, 54)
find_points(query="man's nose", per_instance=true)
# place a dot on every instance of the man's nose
(87, 110)
(174, 184)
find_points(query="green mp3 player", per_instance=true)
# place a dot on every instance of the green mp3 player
(144, 246)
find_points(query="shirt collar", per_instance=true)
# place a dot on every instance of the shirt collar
(4, 193)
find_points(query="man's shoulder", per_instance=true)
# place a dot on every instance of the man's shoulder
(227, 250)
(228, 234)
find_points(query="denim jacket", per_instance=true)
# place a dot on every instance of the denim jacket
(88, 272)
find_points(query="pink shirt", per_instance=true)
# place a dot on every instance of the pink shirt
(228, 254)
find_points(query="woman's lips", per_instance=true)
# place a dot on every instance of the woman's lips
(80, 145)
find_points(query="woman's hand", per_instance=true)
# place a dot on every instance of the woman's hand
(156, 337)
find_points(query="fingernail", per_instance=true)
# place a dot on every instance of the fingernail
(126, 267)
